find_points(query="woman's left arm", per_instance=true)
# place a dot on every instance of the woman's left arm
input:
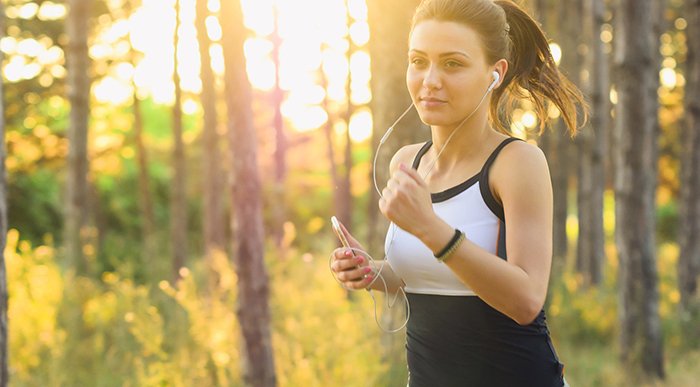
(516, 287)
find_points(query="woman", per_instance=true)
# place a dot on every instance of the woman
(471, 210)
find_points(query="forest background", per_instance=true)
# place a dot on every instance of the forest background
(169, 227)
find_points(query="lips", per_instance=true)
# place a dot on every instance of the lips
(432, 101)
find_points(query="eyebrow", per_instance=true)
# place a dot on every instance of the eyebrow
(450, 53)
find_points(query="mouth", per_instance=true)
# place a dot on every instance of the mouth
(432, 102)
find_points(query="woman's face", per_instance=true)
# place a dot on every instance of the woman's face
(447, 71)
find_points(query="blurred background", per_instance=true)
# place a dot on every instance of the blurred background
(171, 228)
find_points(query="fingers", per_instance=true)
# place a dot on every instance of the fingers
(405, 178)
(351, 239)
(353, 272)
(412, 174)
(362, 283)
(343, 259)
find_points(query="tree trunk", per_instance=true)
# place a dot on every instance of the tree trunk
(78, 88)
(345, 205)
(178, 201)
(145, 199)
(559, 159)
(548, 16)
(591, 141)
(253, 289)
(330, 145)
(635, 183)
(689, 260)
(214, 239)
(388, 49)
(4, 339)
(148, 225)
(281, 146)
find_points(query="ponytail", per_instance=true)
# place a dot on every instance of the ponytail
(533, 75)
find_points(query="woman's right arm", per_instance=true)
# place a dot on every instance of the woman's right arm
(359, 272)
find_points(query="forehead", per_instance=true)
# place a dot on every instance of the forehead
(435, 36)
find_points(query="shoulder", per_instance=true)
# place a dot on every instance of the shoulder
(405, 155)
(520, 165)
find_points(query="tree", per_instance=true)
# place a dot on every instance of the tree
(559, 144)
(148, 226)
(388, 49)
(4, 369)
(341, 171)
(213, 228)
(635, 182)
(78, 89)
(591, 142)
(178, 201)
(344, 210)
(281, 143)
(253, 288)
(689, 260)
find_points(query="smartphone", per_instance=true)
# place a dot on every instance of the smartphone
(339, 232)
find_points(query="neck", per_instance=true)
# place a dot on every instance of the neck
(459, 142)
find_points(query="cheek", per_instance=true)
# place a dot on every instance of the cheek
(413, 82)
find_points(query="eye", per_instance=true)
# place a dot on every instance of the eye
(418, 62)
(453, 63)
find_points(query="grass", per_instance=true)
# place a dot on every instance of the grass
(597, 365)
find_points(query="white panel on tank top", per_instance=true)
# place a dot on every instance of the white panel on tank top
(415, 263)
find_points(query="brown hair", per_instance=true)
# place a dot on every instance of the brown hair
(508, 32)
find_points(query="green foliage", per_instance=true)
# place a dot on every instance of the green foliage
(117, 332)
(667, 222)
(34, 204)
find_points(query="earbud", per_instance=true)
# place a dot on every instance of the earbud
(496, 78)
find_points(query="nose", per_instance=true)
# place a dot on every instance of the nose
(432, 78)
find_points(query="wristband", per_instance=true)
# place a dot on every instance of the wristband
(451, 246)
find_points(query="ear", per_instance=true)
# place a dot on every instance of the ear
(500, 67)
(496, 77)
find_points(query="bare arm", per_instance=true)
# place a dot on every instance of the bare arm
(351, 270)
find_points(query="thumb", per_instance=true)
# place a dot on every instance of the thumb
(353, 242)
(412, 173)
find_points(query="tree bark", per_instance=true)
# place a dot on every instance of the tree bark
(388, 49)
(214, 239)
(345, 193)
(148, 225)
(178, 201)
(78, 88)
(253, 289)
(635, 183)
(330, 147)
(689, 260)
(281, 146)
(4, 339)
(561, 143)
(591, 141)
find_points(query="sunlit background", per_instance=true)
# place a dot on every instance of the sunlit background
(322, 67)
(313, 50)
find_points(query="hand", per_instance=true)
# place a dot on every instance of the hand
(350, 267)
(406, 201)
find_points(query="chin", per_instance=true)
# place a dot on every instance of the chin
(433, 119)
